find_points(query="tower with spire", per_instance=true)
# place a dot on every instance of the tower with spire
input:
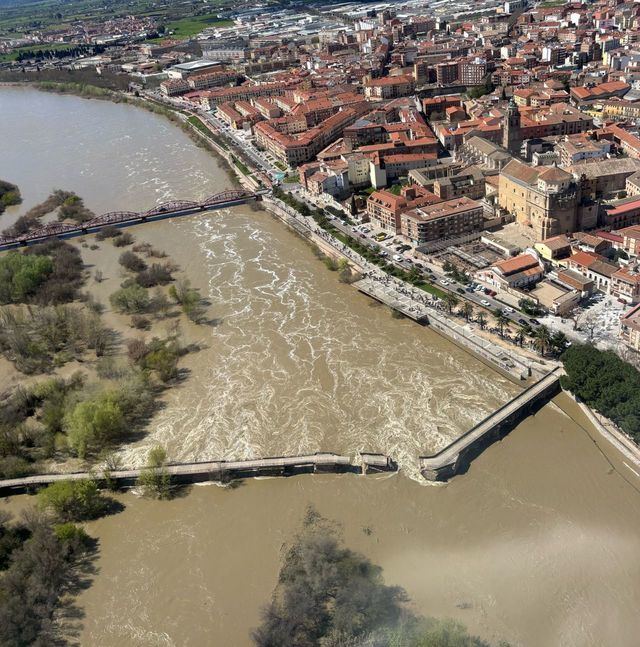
(511, 139)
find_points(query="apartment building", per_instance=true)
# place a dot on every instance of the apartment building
(390, 87)
(442, 220)
(630, 328)
(384, 208)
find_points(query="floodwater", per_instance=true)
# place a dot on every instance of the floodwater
(537, 544)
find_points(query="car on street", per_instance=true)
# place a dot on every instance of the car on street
(485, 303)
(535, 322)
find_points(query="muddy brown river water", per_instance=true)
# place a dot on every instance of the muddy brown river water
(537, 544)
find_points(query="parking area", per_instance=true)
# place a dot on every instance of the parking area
(598, 322)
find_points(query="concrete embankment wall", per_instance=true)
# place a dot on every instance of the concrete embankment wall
(221, 471)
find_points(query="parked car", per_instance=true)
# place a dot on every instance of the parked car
(523, 322)
(535, 322)
(397, 258)
(459, 290)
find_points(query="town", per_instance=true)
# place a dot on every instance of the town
(494, 149)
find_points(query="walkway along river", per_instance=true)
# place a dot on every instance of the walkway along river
(536, 544)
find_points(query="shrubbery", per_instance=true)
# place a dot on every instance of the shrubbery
(38, 339)
(21, 276)
(131, 299)
(72, 500)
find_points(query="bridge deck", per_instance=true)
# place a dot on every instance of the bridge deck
(449, 455)
(212, 470)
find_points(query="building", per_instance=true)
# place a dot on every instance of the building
(384, 208)
(630, 328)
(185, 70)
(469, 183)
(554, 249)
(447, 72)
(625, 284)
(513, 273)
(594, 267)
(473, 71)
(389, 87)
(442, 220)
(545, 198)
(631, 240)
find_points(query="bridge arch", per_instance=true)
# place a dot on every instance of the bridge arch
(168, 207)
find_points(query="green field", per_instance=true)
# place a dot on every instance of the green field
(24, 17)
(190, 26)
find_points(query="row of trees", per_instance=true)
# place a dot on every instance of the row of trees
(542, 339)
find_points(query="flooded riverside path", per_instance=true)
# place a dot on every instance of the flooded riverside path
(536, 544)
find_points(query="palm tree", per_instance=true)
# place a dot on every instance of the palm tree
(501, 319)
(451, 301)
(467, 310)
(522, 333)
(482, 320)
(541, 339)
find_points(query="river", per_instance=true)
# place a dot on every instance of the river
(536, 544)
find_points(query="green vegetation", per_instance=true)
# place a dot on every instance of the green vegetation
(329, 595)
(480, 90)
(606, 383)
(31, 219)
(21, 275)
(530, 307)
(131, 299)
(73, 501)
(189, 299)
(73, 209)
(243, 167)
(9, 195)
(48, 273)
(192, 25)
(47, 561)
(37, 340)
(452, 271)
(155, 480)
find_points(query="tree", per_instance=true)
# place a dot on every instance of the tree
(189, 298)
(327, 594)
(72, 500)
(154, 479)
(451, 301)
(467, 310)
(521, 334)
(131, 299)
(21, 275)
(95, 423)
(541, 337)
(482, 320)
(558, 342)
(501, 319)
